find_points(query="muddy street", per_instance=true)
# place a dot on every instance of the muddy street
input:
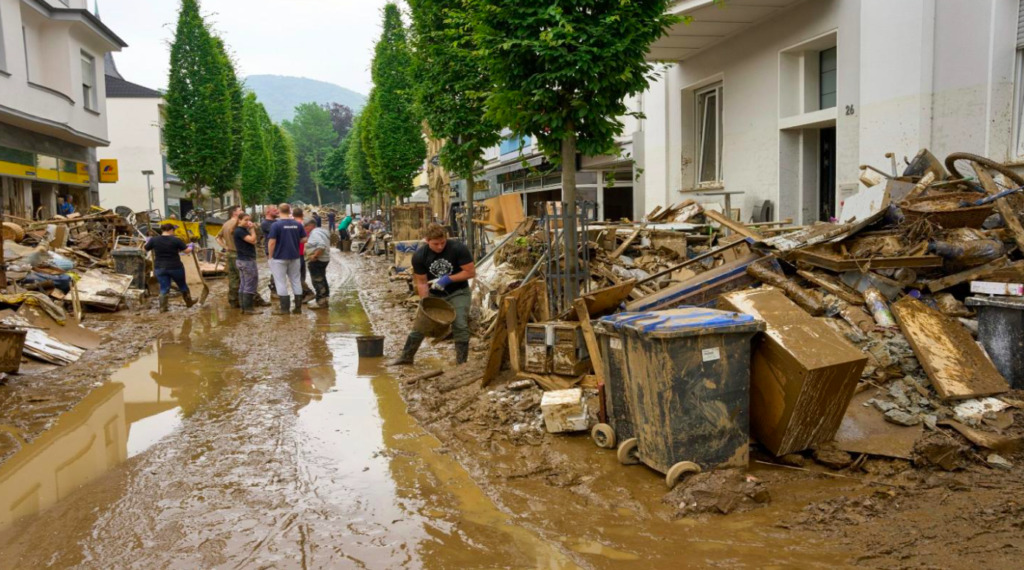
(267, 443)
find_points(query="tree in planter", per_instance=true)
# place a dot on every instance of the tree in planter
(314, 136)
(228, 178)
(257, 171)
(357, 168)
(198, 110)
(393, 129)
(451, 92)
(286, 172)
(562, 70)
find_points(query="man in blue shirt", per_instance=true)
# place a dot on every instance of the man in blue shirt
(283, 244)
(64, 206)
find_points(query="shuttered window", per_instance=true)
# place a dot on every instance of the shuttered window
(1020, 26)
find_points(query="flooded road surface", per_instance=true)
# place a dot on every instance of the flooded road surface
(266, 443)
(230, 446)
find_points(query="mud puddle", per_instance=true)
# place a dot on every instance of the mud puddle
(187, 458)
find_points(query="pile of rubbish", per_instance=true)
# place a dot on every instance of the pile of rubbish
(57, 270)
(898, 319)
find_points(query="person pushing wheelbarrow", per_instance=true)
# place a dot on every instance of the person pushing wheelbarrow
(442, 269)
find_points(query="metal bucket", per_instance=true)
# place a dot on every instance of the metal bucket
(370, 346)
(346, 245)
(12, 345)
(433, 317)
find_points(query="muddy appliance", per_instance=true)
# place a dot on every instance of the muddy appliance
(619, 421)
(688, 390)
(538, 349)
(556, 347)
(1001, 332)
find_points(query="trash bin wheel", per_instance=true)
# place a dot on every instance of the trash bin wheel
(627, 452)
(678, 471)
(604, 436)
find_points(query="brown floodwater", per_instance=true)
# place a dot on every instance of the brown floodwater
(268, 443)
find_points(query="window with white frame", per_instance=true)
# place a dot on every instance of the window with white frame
(709, 135)
(89, 81)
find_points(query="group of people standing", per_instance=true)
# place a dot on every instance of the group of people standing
(293, 246)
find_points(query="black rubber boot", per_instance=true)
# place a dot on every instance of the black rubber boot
(284, 307)
(408, 355)
(163, 304)
(248, 308)
(258, 301)
(461, 352)
(297, 307)
(189, 301)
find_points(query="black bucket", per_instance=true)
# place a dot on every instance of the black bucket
(370, 346)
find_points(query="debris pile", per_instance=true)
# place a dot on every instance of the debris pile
(888, 328)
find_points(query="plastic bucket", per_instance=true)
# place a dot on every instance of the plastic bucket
(434, 317)
(370, 346)
(12, 344)
(346, 245)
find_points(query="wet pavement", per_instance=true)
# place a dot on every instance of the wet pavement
(267, 443)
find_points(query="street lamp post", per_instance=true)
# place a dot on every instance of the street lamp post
(147, 174)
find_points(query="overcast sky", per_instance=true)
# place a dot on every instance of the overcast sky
(328, 40)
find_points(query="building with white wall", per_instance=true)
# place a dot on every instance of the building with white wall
(135, 124)
(783, 100)
(52, 103)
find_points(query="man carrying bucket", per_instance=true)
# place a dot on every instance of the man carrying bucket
(442, 269)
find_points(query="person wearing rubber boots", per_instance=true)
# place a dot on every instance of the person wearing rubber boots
(226, 239)
(318, 255)
(283, 243)
(249, 273)
(167, 249)
(442, 268)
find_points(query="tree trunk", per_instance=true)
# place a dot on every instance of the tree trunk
(470, 226)
(569, 232)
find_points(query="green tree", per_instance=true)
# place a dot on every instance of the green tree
(394, 129)
(198, 110)
(228, 179)
(334, 176)
(562, 70)
(367, 134)
(257, 171)
(314, 136)
(286, 172)
(452, 90)
(357, 168)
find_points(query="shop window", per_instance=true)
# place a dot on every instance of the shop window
(709, 135)
(89, 81)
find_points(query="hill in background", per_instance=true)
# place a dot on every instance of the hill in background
(281, 94)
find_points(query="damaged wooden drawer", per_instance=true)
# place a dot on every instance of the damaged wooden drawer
(802, 374)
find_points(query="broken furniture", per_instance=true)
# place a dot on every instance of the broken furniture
(688, 389)
(1001, 332)
(802, 375)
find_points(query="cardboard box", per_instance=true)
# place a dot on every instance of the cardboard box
(564, 410)
(802, 375)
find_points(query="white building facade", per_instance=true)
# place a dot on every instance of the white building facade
(783, 100)
(135, 122)
(52, 103)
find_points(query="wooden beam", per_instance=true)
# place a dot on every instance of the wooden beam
(591, 339)
(1002, 205)
(514, 342)
(625, 245)
(735, 226)
(974, 274)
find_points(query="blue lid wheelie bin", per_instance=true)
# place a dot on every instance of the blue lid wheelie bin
(619, 426)
(688, 389)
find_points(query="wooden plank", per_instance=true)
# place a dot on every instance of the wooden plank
(1002, 205)
(841, 265)
(975, 274)
(733, 225)
(955, 364)
(590, 338)
(499, 338)
(834, 286)
(514, 340)
(625, 245)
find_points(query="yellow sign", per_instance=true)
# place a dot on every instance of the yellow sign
(108, 171)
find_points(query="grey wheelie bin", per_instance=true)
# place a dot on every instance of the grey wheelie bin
(619, 426)
(688, 389)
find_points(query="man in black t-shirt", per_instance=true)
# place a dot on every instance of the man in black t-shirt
(442, 268)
